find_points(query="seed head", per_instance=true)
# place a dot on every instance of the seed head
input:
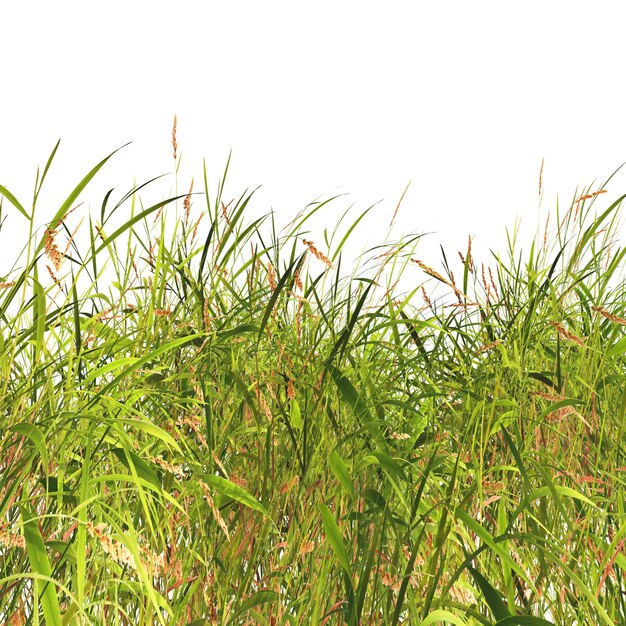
(174, 140)
(319, 255)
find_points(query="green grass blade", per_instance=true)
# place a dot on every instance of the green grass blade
(235, 492)
(333, 535)
(342, 474)
(40, 564)
(14, 201)
(492, 597)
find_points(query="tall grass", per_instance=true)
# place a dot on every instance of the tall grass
(206, 421)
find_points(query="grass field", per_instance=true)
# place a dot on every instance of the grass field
(206, 420)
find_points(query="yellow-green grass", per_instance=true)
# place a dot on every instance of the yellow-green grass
(214, 423)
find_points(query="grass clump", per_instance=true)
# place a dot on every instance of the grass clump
(205, 421)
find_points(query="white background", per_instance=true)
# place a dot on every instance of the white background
(464, 99)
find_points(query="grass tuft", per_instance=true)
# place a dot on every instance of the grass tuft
(201, 427)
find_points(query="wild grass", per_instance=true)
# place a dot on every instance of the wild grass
(206, 421)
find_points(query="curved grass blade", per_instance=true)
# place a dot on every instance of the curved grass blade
(45, 172)
(279, 288)
(492, 597)
(333, 534)
(441, 616)
(260, 597)
(523, 620)
(31, 431)
(14, 201)
(67, 205)
(235, 492)
(342, 474)
(40, 564)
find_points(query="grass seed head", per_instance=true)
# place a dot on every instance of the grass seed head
(588, 196)
(187, 203)
(545, 233)
(609, 316)
(431, 272)
(225, 211)
(563, 332)
(115, 549)
(493, 284)
(271, 277)
(194, 233)
(12, 539)
(174, 139)
(298, 281)
(54, 276)
(52, 250)
(214, 510)
(71, 239)
(317, 254)
(399, 203)
(426, 298)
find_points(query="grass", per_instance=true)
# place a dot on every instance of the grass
(206, 421)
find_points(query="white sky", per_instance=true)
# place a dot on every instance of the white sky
(462, 98)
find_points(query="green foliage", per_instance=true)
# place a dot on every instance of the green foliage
(208, 422)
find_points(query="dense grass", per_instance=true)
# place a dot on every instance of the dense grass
(219, 423)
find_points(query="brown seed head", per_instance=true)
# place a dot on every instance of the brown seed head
(174, 140)
(205, 314)
(225, 211)
(609, 316)
(53, 276)
(306, 547)
(545, 232)
(399, 203)
(493, 284)
(69, 241)
(563, 332)
(588, 196)
(194, 233)
(52, 251)
(469, 254)
(11, 539)
(115, 549)
(214, 510)
(298, 281)
(317, 254)
(431, 272)
(271, 276)
(489, 346)
(187, 203)
(176, 470)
